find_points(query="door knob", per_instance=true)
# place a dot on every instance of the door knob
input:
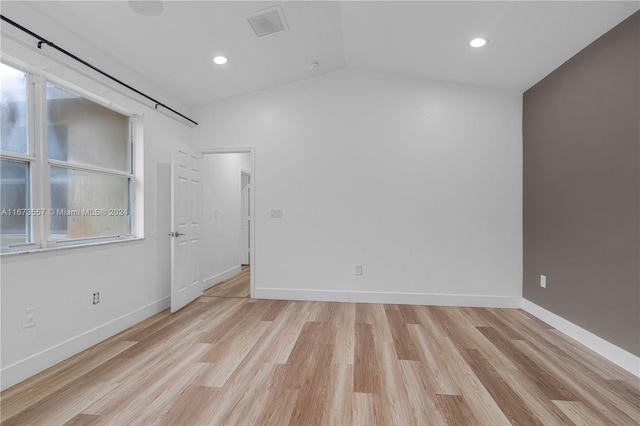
(176, 234)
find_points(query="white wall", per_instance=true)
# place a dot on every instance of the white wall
(221, 230)
(133, 278)
(419, 181)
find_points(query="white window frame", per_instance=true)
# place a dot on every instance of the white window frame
(40, 165)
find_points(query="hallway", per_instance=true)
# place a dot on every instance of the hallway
(236, 286)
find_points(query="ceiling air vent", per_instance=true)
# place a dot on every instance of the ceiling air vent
(267, 21)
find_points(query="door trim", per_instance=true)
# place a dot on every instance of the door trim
(252, 199)
(247, 173)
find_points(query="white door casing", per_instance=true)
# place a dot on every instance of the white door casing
(186, 202)
(245, 219)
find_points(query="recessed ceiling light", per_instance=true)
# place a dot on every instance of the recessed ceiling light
(478, 42)
(220, 60)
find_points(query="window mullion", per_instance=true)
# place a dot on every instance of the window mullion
(87, 168)
(40, 173)
(132, 181)
(17, 156)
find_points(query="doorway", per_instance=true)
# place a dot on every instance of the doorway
(237, 286)
(228, 231)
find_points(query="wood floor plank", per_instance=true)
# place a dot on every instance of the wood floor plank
(237, 398)
(61, 407)
(343, 327)
(225, 359)
(545, 410)
(312, 405)
(420, 394)
(552, 387)
(447, 320)
(433, 364)
(83, 420)
(579, 413)
(286, 330)
(483, 406)
(245, 362)
(429, 323)
(404, 346)
(340, 409)
(189, 405)
(274, 310)
(610, 406)
(148, 395)
(393, 391)
(580, 374)
(160, 399)
(303, 356)
(562, 346)
(366, 370)
(409, 314)
(374, 314)
(364, 409)
(281, 406)
(237, 313)
(509, 402)
(476, 340)
(473, 316)
(455, 410)
(134, 376)
(629, 392)
(59, 377)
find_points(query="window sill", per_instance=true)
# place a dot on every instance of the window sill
(69, 247)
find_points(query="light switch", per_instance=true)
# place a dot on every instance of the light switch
(275, 213)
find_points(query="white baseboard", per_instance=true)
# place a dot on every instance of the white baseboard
(613, 353)
(389, 297)
(218, 278)
(22, 370)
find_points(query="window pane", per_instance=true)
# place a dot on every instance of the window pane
(14, 202)
(13, 104)
(86, 204)
(82, 131)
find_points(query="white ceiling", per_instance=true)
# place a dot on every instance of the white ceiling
(427, 39)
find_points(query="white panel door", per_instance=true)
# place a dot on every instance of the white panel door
(186, 196)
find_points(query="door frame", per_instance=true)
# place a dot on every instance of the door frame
(243, 173)
(252, 199)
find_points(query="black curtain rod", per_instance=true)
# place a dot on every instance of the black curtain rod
(42, 40)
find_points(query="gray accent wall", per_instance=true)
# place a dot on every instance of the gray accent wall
(581, 136)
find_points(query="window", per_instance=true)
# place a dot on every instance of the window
(15, 169)
(67, 169)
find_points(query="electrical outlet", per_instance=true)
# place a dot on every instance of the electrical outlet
(543, 281)
(96, 298)
(29, 318)
(358, 269)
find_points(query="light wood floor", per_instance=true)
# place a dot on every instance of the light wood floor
(236, 286)
(243, 361)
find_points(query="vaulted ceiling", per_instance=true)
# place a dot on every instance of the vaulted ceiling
(424, 39)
